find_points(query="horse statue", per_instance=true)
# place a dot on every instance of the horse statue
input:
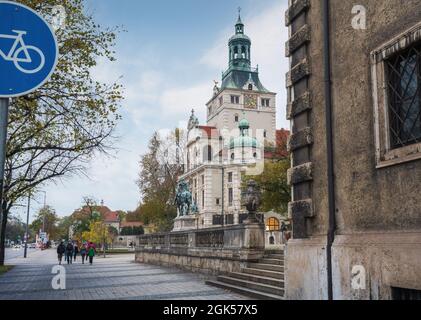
(183, 199)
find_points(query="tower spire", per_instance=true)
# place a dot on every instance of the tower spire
(239, 26)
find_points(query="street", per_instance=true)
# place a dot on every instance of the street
(114, 277)
(15, 253)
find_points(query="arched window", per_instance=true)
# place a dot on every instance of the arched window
(232, 156)
(250, 86)
(236, 118)
(188, 161)
(273, 224)
(207, 153)
(235, 53)
(243, 52)
(271, 240)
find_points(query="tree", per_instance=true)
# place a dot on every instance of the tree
(132, 231)
(276, 194)
(98, 233)
(16, 230)
(134, 216)
(82, 218)
(47, 220)
(55, 131)
(63, 228)
(160, 169)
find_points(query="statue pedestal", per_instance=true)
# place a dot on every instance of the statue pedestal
(185, 223)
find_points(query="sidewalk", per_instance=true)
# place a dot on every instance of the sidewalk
(114, 277)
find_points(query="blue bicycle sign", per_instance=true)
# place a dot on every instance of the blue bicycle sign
(28, 50)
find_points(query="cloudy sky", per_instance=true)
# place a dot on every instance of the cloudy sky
(167, 61)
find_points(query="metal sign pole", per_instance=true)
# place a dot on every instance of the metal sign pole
(4, 118)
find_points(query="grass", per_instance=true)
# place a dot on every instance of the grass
(4, 269)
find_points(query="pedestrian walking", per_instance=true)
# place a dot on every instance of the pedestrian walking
(60, 250)
(75, 251)
(65, 251)
(69, 252)
(91, 254)
(83, 253)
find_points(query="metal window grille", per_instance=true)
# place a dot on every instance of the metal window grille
(405, 294)
(404, 93)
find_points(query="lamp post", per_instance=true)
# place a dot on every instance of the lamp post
(224, 163)
(27, 223)
(223, 195)
(25, 252)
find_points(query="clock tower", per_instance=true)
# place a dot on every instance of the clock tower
(241, 93)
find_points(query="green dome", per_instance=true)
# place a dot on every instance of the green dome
(244, 124)
(243, 142)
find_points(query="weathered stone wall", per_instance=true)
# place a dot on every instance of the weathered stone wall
(209, 251)
(377, 209)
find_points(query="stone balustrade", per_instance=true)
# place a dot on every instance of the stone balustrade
(209, 251)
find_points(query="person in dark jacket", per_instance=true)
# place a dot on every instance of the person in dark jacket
(60, 250)
(75, 251)
(69, 252)
(83, 252)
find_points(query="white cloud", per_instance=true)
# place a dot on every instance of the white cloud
(153, 102)
(180, 101)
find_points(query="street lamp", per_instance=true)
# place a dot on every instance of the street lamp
(224, 163)
(27, 224)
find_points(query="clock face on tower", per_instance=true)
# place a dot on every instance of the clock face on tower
(250, 101)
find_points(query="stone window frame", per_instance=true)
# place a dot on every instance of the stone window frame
(385, 155)
(265, 102)
(235, 99)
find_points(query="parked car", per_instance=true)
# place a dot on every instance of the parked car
(32, 245)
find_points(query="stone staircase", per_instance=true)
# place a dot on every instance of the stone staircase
(261, 280)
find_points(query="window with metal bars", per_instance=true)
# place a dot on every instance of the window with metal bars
(404, 93)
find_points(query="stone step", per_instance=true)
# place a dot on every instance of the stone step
(264, 273)
(265, 266)
(274, 251)
(279, 262)
(274, 256)
(279, 283)
(245, 291)
(252, 285)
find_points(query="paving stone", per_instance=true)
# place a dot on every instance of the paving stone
(114, 277)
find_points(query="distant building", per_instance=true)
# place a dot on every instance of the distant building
(112, 219)
(239, 134)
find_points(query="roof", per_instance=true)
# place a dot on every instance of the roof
(111, 216)
(280, 151)
(237, 79)
(87, 210)
(209, 131)
(244, 140)
(131, 224)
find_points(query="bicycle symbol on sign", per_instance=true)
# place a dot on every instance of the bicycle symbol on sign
(19, 47)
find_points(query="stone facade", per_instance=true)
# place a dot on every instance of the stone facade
(210, 251)
(377, 187)
(216, 154)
